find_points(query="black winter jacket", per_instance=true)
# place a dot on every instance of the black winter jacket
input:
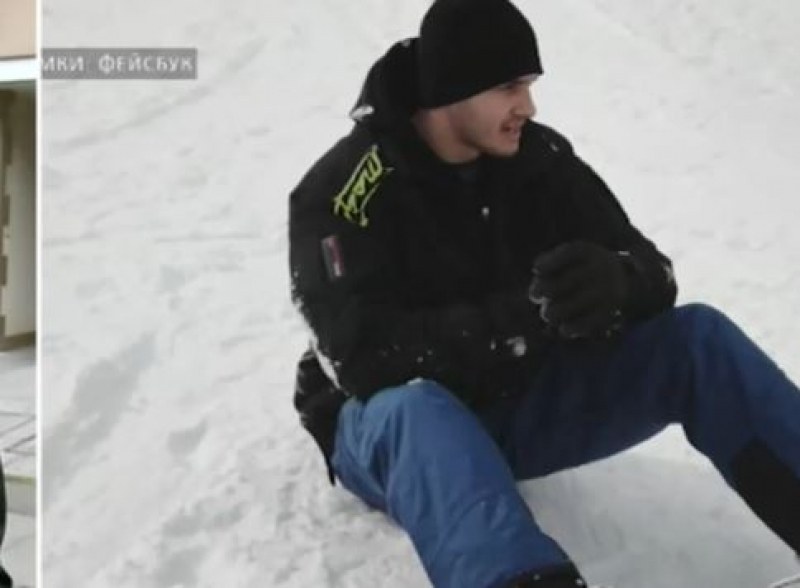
(405, 267)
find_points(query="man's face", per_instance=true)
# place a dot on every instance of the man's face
(491, 122)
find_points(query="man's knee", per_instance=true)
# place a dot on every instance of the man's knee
(702, 321)
(412, 413)
(700, 313)
(419, 396)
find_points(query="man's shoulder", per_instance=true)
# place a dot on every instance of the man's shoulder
(346, 178)
(343, 154)
(543, 150)
(538, 138)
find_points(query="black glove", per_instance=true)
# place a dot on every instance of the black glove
(582, 289)
(318, 401)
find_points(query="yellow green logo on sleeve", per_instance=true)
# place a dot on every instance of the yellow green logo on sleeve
(351, 203)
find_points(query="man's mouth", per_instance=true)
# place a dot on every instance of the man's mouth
(513, 131)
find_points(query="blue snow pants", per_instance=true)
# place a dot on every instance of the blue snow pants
(448, 476)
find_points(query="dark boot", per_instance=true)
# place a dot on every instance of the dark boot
(561, 578)
(771, 489)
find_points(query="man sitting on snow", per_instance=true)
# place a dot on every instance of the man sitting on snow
(483, 312)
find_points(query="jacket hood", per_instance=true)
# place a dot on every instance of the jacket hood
(388, 96)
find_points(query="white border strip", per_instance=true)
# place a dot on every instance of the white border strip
(39, 563)
(15, 70)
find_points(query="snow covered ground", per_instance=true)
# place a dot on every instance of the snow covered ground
(172, 455)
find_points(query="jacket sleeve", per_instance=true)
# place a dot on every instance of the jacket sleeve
(652, 285)
(346, 285)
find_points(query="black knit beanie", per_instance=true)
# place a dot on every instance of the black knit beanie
(468, 46)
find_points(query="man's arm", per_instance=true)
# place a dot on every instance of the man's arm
(650, 272)
(651, 281)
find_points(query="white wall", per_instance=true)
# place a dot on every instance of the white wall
(14, 70)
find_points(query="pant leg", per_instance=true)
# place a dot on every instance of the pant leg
(418, 454)
(744, 413)
(690, 365)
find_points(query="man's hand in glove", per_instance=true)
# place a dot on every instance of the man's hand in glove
(581, 287)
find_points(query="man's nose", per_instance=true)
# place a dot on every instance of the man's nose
(526, 107)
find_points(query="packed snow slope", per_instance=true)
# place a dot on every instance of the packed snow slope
(172, 455)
